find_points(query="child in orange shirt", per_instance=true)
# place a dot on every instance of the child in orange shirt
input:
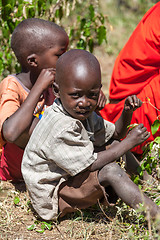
(37, 45)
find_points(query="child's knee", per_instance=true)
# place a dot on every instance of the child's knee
(110, 172)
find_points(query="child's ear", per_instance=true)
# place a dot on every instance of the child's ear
(32, 60)
(56, 89)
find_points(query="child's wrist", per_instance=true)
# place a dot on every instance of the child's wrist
(128, 111)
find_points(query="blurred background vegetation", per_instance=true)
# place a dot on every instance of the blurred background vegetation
(89, 24)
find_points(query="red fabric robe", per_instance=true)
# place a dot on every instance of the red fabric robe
(137, 71)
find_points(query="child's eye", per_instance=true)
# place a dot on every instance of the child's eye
(74, 95)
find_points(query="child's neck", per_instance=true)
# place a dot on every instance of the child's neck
(27, 79)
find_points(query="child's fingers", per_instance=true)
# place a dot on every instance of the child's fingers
(140, 103)
(141, 126)
(53, 70)
(129, 102)
(101, 100)
(146, 134)
(137, 101)
(143, 130)
(132, 102)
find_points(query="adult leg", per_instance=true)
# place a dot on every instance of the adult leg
(125, 188)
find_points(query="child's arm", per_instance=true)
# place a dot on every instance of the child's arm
(130, 105)
(14, 127)
(135, 137)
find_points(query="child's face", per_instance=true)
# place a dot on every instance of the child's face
(50, 56)
(79, 94)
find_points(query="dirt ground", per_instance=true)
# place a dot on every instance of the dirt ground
(18, 220)
(17, 215)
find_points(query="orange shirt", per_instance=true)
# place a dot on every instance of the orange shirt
(12, 95)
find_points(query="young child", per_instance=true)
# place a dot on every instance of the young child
(37, 45)
(60, 166)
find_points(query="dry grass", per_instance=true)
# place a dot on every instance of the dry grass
(117, 222)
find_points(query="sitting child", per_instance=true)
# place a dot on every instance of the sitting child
(37, 45)
(62, 170)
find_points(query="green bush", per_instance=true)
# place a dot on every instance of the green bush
(82, 20)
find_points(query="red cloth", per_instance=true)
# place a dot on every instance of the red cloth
(136, 71)
(10, 167)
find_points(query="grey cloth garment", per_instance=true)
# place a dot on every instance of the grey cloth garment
(60, 146)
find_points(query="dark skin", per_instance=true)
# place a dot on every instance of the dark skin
(38, 76)
(79, 96)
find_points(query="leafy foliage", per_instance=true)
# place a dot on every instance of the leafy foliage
(88, 24)
(155, 126)
(16, 200)
(151, 156)
(151, 153)
(43, 226)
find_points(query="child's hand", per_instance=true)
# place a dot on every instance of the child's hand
(101, 101)
(132, 103)
(46, 78)
(137, 135)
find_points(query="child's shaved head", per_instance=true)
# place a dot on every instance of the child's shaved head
(78, 82)
(33, 35)
(77, 62)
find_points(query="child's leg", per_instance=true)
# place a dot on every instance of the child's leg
(113, 175)
(132, 164)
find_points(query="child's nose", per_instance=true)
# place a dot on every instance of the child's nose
(84, 102)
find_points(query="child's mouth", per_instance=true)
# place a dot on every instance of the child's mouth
(83, 112)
